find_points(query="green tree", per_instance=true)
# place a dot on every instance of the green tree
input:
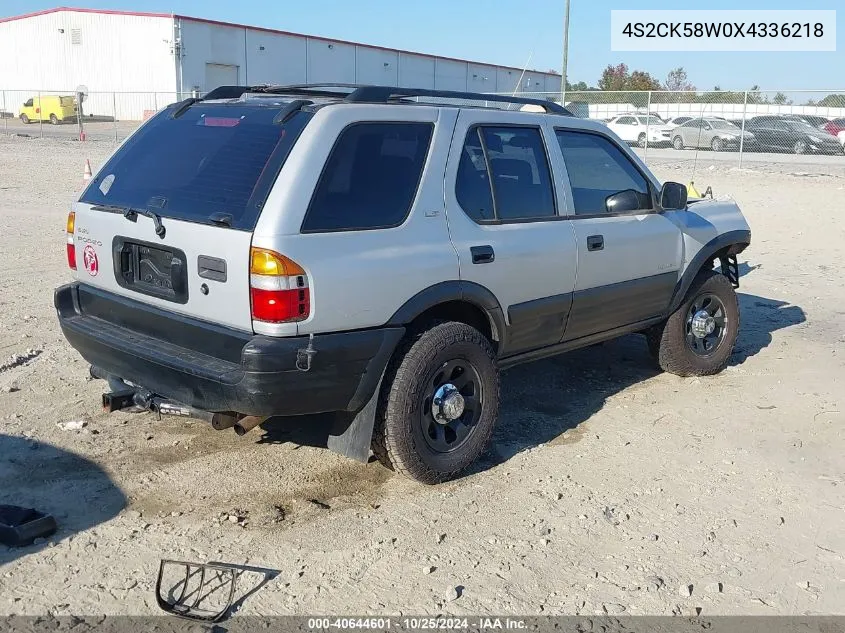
(781, 99)
(833, 101)
(677, 80)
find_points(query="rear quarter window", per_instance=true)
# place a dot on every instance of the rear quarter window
(371, 177)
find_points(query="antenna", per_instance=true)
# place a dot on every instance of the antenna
(524, 69)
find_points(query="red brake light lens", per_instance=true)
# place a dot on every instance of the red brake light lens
(279, 290)
(71, 247)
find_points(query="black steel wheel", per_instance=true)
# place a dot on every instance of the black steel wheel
(452, 406)
(438, 404)
(699, 336)
(706, 324)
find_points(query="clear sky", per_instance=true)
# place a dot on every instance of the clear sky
(508, 32)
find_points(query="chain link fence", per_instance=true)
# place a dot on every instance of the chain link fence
(751, 126)
(754, 126)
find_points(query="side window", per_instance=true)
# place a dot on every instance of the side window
(522, 182)
(626, 120)
(472, 186)
(371, 177)
(518, 171)
(28, 103)
(597, 169)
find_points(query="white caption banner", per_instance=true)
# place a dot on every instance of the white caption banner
(703, 30)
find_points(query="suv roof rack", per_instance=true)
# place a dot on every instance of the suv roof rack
(357, 93)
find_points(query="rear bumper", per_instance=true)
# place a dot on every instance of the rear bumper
(216, 369)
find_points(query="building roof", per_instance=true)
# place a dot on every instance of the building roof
(263, 29)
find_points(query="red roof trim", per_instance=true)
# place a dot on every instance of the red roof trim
(267, 30)
(100, 11)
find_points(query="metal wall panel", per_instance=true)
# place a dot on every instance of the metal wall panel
(450, 75)
(330, 62)
(416, 71)
(377, 67)
(481, 78)
(274, 58)
(204, 43)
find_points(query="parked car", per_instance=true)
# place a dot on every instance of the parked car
(781, 134)
(713, 133)
(637, 128)
(349, 253)
(815, 121)
(678, 120)
(53, 108)
(837, 129)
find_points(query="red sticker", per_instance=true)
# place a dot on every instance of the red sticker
(89, 258)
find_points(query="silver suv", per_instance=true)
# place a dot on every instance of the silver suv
(380, 254)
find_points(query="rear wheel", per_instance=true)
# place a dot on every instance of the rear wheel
(54, 119)
(716, 144)
(800, 147)
(678, 142)
(642, 141)
(438, 405)
(699, 337)
(24, 119)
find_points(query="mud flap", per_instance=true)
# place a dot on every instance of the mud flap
(198, 585)
(353, 438)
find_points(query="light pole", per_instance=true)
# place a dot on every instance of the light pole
(565, 53)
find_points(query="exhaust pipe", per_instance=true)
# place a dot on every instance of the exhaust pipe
(245, 425)
(220, 421)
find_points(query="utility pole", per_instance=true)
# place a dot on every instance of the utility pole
(565, 53)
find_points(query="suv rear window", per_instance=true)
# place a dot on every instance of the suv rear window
(371, 177)
(213, 159)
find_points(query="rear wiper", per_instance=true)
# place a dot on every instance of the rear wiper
(132, 215)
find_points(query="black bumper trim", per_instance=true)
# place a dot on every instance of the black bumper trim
(260, 379)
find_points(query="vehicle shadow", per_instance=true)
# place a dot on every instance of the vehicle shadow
(77, 492)
(543, 400)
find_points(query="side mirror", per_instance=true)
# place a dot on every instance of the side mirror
(673, 196)
(627, 200)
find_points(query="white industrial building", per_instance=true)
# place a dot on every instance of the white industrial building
(151, 60)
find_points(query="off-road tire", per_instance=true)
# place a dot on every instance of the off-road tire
(24, 119)
(678, 142)
(54, 120)
(667, 341)
(642, 140)
(396, 441)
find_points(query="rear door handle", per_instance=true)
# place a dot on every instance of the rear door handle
(482, 254)
(595, 242)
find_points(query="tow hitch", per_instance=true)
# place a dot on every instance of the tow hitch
(125, 396)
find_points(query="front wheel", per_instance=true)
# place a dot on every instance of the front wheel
(699, 337)
(678, 142)
(439, 402)
(716, 145)
(24, 119)
(800, 147)
(642, 141)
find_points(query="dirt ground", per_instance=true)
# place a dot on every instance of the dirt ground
(609, 488)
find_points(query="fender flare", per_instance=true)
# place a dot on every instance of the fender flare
(443, 292)
(739, 239)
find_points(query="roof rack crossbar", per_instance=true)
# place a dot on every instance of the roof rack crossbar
(357, 93)
(386, 94)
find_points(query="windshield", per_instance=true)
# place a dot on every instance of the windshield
(722, 125)
(212, 159)
(649, 120)
(801, 126)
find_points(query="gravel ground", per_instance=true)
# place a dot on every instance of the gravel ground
(609, 488)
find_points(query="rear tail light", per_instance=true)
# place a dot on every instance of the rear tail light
(71, 247)
(278, 288)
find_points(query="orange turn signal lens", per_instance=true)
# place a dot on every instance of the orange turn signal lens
(267, 262)
(71, 222)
